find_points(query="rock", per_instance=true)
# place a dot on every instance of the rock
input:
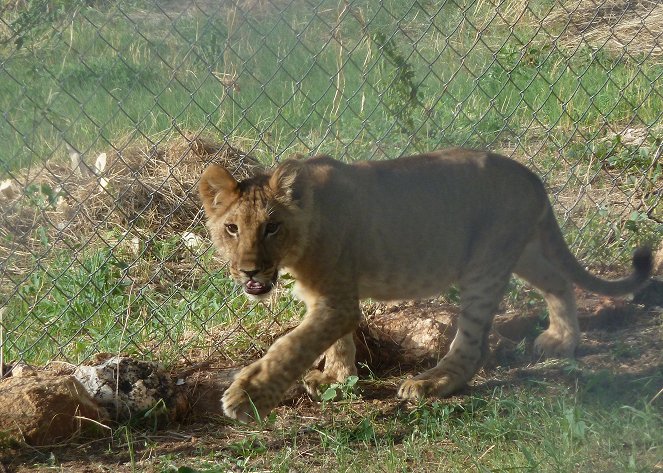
(420, 333)
(609, 314)
(44, 410)
(22, 370)
(417, 334)
(8, 190)
(201, 393)
(126, 387)
(516, 326)
(192, 241)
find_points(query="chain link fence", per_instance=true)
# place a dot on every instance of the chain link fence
(112, 109)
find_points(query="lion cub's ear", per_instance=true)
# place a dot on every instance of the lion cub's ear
(287, 183)
(217, 188)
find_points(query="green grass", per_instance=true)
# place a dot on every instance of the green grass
(520, 430)
(108, 79)
(113, 301)
(98, 79)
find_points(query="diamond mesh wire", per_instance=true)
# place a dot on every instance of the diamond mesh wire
(112, 109)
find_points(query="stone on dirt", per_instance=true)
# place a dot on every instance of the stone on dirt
(419, 334)
(405, 335)
(45, 410)
(126, 387)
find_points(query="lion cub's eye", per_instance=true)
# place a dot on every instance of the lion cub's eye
(232, 229)
(271, 228)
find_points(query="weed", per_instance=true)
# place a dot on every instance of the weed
(248, 446)
(576, 427)
(42, 196)
(127, 435)
(32, 18)
(344, 390)
(401, 94)
(188, 469)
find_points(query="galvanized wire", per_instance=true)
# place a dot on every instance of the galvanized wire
(97, 258)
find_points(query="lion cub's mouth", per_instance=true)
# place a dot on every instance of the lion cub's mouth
(259, 289)
(256, 288)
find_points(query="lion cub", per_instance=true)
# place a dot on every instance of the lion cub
(400, 229)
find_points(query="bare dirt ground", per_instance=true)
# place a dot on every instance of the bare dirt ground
(622, 344)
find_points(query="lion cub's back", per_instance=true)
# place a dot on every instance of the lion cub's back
(447, 190)
(410, 223)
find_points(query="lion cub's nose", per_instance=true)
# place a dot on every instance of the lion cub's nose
(250, 272)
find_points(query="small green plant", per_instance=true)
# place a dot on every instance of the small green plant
(576, 427)
(521, 348)
(624, 350)
(31, 18)
(42, 196)
(248, 446)
(188, 469)
(431, 419)
(452, 295)
(344, 390)
(125, 433)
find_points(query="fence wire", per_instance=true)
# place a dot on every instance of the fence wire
(111, 109)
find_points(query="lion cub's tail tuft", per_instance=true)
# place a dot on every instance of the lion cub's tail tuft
(643, 263)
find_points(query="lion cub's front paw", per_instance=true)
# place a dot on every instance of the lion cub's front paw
(249, 397)
(414, 389)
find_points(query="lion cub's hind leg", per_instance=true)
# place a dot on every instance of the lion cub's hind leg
(563, 334)
(480, 293)
(339, 365)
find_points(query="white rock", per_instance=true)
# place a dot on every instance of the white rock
(100, 164)
(8, 190)
(192, 241)
(125, 386)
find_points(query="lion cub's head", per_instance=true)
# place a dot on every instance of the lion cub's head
(259, 224)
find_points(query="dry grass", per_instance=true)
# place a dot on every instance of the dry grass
(633, 26)
(151, 188)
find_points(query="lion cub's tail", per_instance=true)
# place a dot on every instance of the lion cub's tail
(557, 251)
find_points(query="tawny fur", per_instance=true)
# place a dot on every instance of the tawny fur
(399, 229)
